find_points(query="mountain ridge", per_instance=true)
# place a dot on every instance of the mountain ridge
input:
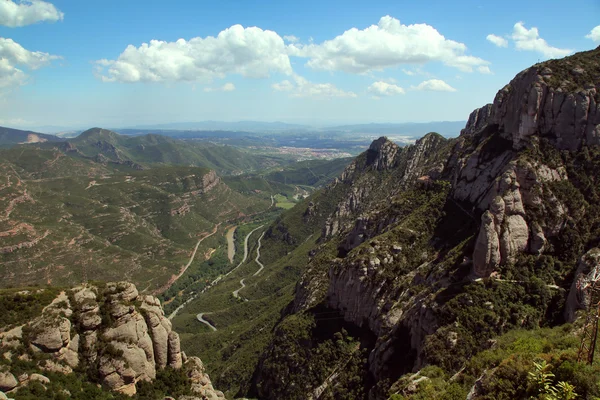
(430, 246)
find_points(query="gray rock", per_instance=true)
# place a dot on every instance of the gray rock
(51, 336)
(486, 256)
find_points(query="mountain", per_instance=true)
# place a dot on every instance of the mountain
(414, 129)
(432, 253)
(446, 269)
(66, 220)
(310, 173)
(10, 137)
(106, 146)
(248, 126)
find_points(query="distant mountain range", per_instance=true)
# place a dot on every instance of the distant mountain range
(9, 136)
(445, 128)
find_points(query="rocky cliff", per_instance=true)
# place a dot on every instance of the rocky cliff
(112, 333)
(514, 198)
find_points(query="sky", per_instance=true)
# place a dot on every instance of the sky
(75, 64)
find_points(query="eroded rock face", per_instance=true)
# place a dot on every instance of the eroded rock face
(504, 174)
(382, 153)
(580, 293)
(529, 106)
(126, 335)
(209, 181)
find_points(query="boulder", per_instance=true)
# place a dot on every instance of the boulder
(7, 381)
(51, 336)
(39, 378)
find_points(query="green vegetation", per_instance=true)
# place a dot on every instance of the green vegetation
(307, 363)
(152, 150)
(141, 225)
(314, 173)
(283, 202)
(18, 306)
(522, 364)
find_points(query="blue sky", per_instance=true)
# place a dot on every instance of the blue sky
(65, 63)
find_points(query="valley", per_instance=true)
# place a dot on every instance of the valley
(326, 260)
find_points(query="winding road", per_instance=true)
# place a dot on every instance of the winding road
(200, 318)
(258, 256)
(186, 266)
(235, 293)
(245, 251)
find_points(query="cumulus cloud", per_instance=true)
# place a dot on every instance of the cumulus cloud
(21, 13)
(381, 88)
(484, 69)
(387, 44)
(228, 87)
(594, 34)
(497, 40)
(300, 87)
(13, 57)
(530, 40)
(250, 52)
(291, 39)
(435, 85)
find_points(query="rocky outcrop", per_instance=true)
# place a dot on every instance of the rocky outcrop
(209, 181)
(580, 295)
(508, 188)
(382, 153)
(123, 334)
(406, 165)
(478, 120)
(201, 384)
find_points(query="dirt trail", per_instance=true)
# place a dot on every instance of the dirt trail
(185, 267)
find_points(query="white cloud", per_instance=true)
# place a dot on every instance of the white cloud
(228, 87)
(300, 87)
(484, 69)
(530, 40)
(594, 34)
(13, 57)
(250, 52)
(436, 85)
(387, 44)
(26, 12)
(497, 40)
(291, 38)
(381, 88)
(408, 72)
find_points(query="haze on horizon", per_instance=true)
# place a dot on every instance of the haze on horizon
(73, 64)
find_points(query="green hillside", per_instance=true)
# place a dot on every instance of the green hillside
(107, 146)
(9, 137)
(67, 220)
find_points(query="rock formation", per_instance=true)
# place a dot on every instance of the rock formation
(114, 329)
(509, 193)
